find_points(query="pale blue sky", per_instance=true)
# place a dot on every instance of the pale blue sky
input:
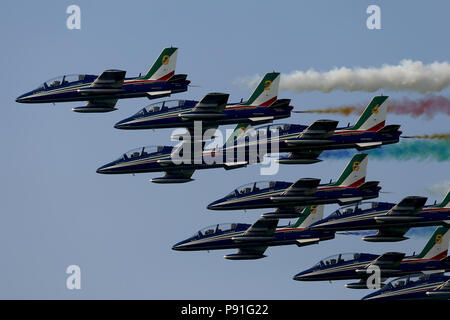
(56, 211)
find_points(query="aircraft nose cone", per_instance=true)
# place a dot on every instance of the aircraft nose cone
(102, 169)
(123, 124)
(213, 205)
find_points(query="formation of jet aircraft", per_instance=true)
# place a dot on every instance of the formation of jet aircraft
(421, 276)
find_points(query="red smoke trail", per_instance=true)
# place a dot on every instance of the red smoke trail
(428, 106)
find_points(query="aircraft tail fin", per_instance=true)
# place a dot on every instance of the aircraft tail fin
(446, 202)
(373, 117)
(237, 132)
(164, 67)
(354, 175)
(310, 215)
(437, 246)
(266, 92)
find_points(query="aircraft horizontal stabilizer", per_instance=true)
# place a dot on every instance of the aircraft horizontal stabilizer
(178, 78)
(368, 145)
(281, 104)
(307, 242)
(260, 119)
(158, 94)
(390, 129)
(235, 165)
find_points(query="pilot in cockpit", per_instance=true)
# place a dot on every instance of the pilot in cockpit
(55, 83)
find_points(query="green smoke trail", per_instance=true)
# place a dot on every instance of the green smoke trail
(437, 150)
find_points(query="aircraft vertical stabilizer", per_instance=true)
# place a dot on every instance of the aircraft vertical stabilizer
(373, 117)
(266, 92)
(437, 246)
(310, 215)
(164, 66)
(354, 174)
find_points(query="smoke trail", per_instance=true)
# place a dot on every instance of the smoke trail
(428, 106)
(444, 136)
(408, 75)
(436, 150)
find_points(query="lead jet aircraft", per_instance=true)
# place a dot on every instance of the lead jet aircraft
(102, 92)
(391, 220)
(306, 143)
(168, 159)
(349, 266)
(253, 240)
(262, 107)
(290, 198)
(418, 287)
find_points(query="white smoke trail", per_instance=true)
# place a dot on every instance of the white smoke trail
(407, 76)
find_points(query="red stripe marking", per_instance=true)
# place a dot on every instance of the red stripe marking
(377, 127)
(167, 76)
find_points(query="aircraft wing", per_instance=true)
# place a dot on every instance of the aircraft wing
(212, 102)
(319, 132)
(262, 228)
(404, 211)
(111, 79)
(408, 206)
(302, 189)
(389, 260)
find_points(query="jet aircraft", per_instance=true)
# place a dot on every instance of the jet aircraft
(102, 92)
(420, 286)
(290, 198)
(432, 259)
(306, 143)
(171, 160)
(253, 240)
(391, 220)
(262, 107)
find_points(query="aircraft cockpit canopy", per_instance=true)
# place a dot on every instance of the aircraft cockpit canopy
(142, 151)
(406, 280)
(65, 80)
(252, 187)
(161, 106)
(353, 208)
(217, 228)
(338, 258)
